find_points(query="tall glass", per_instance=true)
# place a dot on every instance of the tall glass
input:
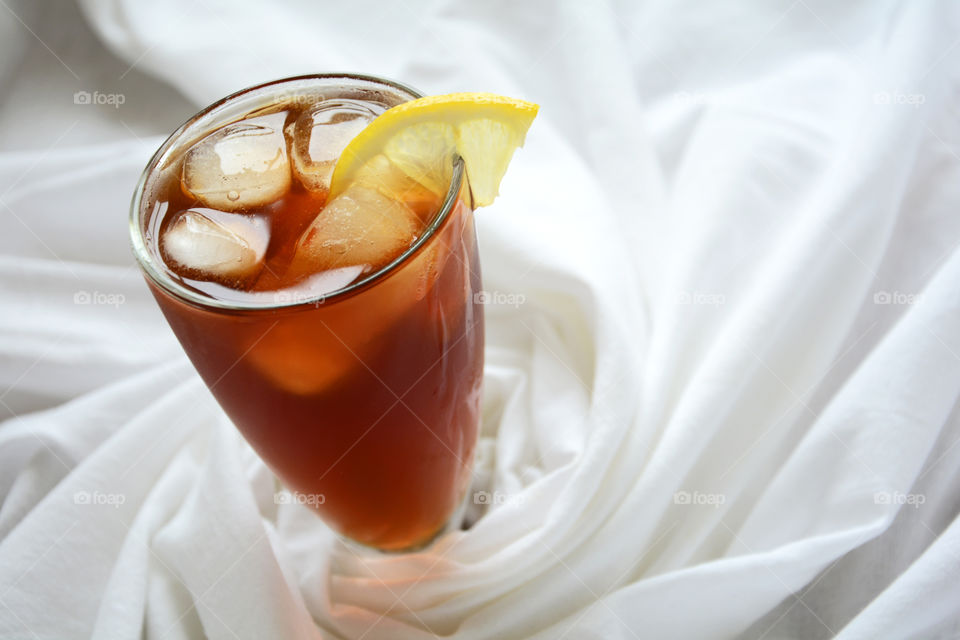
(365, 402)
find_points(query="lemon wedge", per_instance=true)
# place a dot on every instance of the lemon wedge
(420, 138)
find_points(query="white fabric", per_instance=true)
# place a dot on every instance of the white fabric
(724, 402)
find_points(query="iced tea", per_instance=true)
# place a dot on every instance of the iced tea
(341, 335)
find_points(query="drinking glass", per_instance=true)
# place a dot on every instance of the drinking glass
(363, 401)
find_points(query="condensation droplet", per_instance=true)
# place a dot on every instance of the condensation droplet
(232, 195)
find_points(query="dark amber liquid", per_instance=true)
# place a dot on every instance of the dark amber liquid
(368, 401)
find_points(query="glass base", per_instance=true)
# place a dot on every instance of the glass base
(452, 523)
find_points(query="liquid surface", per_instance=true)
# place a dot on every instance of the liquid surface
(243, 213)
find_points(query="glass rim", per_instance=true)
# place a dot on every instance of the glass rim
(160, 277)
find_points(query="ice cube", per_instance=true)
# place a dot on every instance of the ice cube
(205, 244)
(240, 166)
(319, 136)
(361, 226)
(301, 356)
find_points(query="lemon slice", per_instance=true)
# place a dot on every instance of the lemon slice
(420, 138)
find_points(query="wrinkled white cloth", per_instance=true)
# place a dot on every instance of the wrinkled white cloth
(723, 351)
